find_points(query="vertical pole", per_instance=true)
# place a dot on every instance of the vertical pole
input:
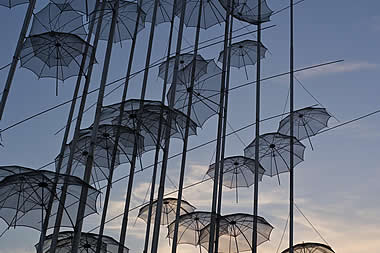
(20, 42)
(257, 134)
(214, 216)
(291, 103)
(161, 189)
(186, 137)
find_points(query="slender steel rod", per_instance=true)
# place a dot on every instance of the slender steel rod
(291, 104)
(16, 56)
(161, 189)
(257, 133)
(186, 137)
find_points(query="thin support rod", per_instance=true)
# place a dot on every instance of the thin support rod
(16, 56)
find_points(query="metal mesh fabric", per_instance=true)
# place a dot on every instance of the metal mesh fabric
(311, 247)
(12, 3)
(235, 232)
(274, 152)
(125, 23)
(206, 93)
(307, 122)
(190, 226)
(87, 243)
(12, 170)
(169, 207)
(53, 19)
(164, 11)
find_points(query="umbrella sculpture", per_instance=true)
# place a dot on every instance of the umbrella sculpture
(274, 150)
(125, 23)
(244, 53)
(24, 198)
(83, 6)
(164, 11)
(52, 19)
(168, 210)
(190, 226)
(54, 54)
(247, 10)
(87, 243)
(307, 122)
(310, 247)
(13, 3)
(238, 171)
(236, 232)
(12, 170)
(206, 93)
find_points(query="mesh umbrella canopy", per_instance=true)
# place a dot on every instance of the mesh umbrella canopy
(125, 23)
(307, 122)
(310, 247)
(235, 232)
(274, 152)
(24, 198)
(83, 6)
(190, 226)
(212, 13)
(247, 10)
(53, 19)
(169, 207)
(12, 3)
(12, 170)
(206, 93)
(184, 61)
(87, 243)
(164, 11)
(244, 53)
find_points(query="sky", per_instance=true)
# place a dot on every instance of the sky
(336, 187)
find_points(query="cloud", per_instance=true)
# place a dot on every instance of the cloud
(344, 67)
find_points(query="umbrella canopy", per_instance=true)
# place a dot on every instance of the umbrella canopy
(12, 3)
(125, 23)
(83, 6)
(164, 10)
(190, 226)
(310, 247)
(52, 19)
(24, 198)
(307, 122)
(206, 93)
(236, 232)
(274, 152)
(87, 243)
(12, 170)
(169, 208)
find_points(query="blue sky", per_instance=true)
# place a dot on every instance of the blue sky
(336, 186)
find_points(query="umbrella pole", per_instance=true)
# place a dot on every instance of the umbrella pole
(225, 113)
(158, 144)
(66, 135)
(214, 218)
(90, 157)
(117, 136)
(156, 228)
(16, 55)
(291, 103)
(257, 134)
(186, 137)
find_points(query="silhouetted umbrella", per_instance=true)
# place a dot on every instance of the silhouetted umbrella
(164, 11)
(83, 6)
(310, 247)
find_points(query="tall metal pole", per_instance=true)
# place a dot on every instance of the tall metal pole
(186, 137)
(214, 216)
(158, 144)
(161, 189)
(291, 103)
(90, 157)
(257, 134)
(20, 42)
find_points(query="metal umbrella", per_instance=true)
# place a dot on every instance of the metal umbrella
(56, 55)
(12, 170)
(236, 232)
(307, 122)
(125, 22)
(274, 150)
(87, 243)
(310, 247)
(24, 198)
(164, 11)
(244, 53)
(206, 93)
(168, 210)
(238, 171)
(83, 6)
(13, 3)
